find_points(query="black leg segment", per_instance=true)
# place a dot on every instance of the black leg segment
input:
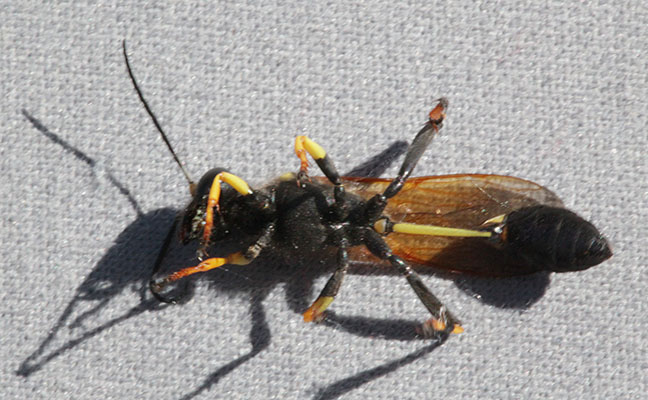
(377, 204)
(315, 312)
(442, 320)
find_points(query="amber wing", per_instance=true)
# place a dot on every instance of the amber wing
(458, 201)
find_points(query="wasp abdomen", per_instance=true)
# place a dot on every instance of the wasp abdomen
(554, 239)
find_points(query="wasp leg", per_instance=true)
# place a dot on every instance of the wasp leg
(377, 204)
(165, 247)
(442, 320)
(237, 258)
(384, 226)
(315, 312)
(417, 148)
(212, 202)
(305, 145)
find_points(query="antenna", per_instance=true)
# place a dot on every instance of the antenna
(192, 184)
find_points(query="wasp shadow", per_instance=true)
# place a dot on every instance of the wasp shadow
(346, 385)
(123, 267)
(126, 267)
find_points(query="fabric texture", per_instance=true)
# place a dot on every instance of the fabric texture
(552, 92)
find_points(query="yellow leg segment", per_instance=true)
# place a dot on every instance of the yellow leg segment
(381, 226)
(316, 310)
(305, 145)
(214, 195)
(432, 230)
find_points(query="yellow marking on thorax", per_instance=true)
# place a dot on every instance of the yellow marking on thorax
(288, 176)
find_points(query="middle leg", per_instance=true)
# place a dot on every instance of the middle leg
(315, 312)
(304, 145)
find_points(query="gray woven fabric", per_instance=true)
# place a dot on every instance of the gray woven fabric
(555, 93)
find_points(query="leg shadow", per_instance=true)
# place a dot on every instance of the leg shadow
(126, 265)
(259, 338)
(346, 385)
(378, 164)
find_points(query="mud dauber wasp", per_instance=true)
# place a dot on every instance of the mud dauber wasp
(490, 225)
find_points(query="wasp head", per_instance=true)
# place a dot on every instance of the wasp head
(237, 217)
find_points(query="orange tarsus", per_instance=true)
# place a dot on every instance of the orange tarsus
(301, 153)
(309, 314)
(437, 324)
(315, 312)
(438, 113)
(206, 265)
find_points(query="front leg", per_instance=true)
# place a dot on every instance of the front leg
(237, 258)
(213, 203)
